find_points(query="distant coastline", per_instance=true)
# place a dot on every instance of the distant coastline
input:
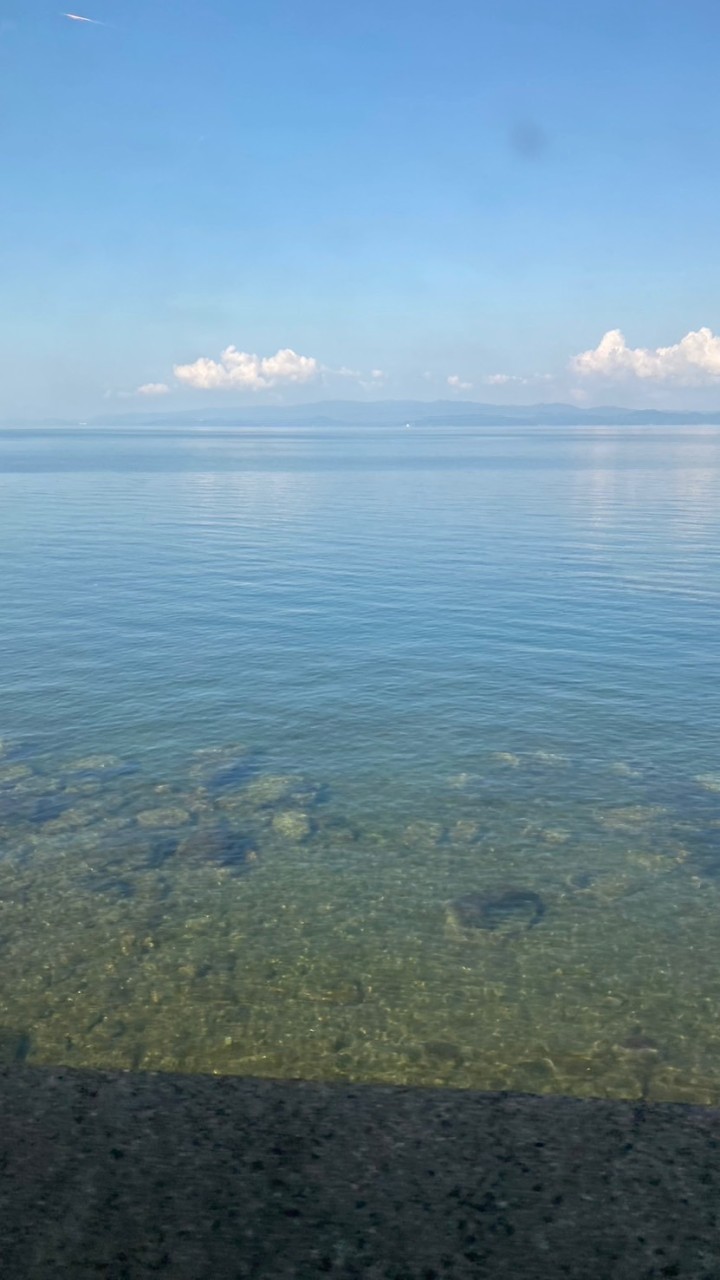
(393, 413)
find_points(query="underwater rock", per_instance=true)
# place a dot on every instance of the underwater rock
(234, 806)
(228, 775)
(15, 1046)
(571, 1067)
(270, 789)
(160, 846)
(551, 759)
(351, 992)
(109, 885)
(221, 845)
(506, 757)
(464, 831)
(26, 749)
(630, 817)
(218, 768)
(93, 764)
(97, 781)
(643, 1054)
(443, 1051)
(223, 751)
(534, 1075)
(625, 770)
(710, 781)
(70, 819)
(423, 833)
(11, 774)
(638, 1042)
(459, 781)
(16, 807)
(50, 807)
(495, 910)
(548, 835)
(130, 849)
(607, 889)
(701, 854)
(581, 881)
(339, 830)
(657, 864)
(292, 824)
(173, 816)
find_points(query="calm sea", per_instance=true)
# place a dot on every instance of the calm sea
(373, 756)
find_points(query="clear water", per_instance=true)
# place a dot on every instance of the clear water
(382, 756)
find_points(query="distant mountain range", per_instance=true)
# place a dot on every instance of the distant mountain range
(397, 413)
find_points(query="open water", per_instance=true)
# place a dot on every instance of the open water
(373, 756)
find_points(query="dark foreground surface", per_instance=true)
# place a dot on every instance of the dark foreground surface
(119, 1176)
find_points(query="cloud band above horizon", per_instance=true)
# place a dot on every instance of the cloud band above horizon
(241, 370)
(693, 361)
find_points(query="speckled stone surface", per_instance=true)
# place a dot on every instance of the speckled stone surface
(124, 1176)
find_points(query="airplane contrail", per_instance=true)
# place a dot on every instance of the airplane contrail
(75, 17)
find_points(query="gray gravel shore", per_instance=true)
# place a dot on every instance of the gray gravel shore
(129, 1176)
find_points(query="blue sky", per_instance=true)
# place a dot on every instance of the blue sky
(421, 199)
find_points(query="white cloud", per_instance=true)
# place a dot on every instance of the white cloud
(457, 384)
(367, 381)
(147, 389)
(240, 370)
(506, 379)
(695, 359)
(153, 389)
(374, 380)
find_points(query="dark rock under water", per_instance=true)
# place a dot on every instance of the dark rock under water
(15, 1046)
(225, 768)
(112, 886)
(497, 909)
(220, 844)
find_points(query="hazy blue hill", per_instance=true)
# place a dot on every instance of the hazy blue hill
(394, 413)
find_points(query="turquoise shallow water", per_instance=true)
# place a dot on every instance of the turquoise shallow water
(376, 756)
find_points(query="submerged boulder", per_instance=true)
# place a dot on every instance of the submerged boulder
(94, 764)
(709, 781)
(423, 832)
(12, 774)
(170, 816)
(268, 789)
(506, 910)
(221, 844)
(15, 1046)
(642, 1055)
(220, 768)
(292, 824)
